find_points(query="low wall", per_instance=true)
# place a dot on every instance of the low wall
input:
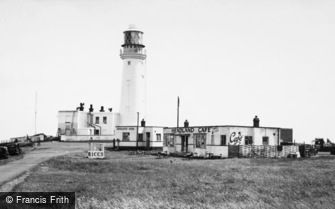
(110, 139)
(218, 151)
(86, 138)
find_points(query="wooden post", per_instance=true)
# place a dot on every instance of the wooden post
(178, 103)
(137, 131)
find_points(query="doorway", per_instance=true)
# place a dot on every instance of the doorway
(96, 132)
(184, 143)
(148, 139)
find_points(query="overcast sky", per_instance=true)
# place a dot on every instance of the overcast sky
(227, 60)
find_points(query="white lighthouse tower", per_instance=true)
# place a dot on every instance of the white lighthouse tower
(133, 95)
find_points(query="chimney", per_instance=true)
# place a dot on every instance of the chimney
(81, 108)
(256, 121)
(142, 123)
(91, 108)
(102, 109)
(186, 124)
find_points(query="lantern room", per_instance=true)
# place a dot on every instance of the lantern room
(133, 44)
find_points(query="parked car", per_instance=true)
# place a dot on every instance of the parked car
(14, 149)
(3, 152)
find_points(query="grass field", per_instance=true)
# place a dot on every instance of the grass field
(129, 181)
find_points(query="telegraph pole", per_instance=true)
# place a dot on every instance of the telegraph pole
(178, 103)
(35, 110)
(137, 131)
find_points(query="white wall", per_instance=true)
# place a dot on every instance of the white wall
(133, 91)
(109, 127)
(142, 130)
(86, 138)
(67, 117)
(80, 120)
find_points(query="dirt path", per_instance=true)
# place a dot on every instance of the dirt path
(47, 150)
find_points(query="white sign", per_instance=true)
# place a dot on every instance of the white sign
(96, 151)
(96, 154)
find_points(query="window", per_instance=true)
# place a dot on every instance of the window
(265, 140)
(125, 136)
(165, 142)
(171, 140)
(223, 140)
(159, 138)
(200, 140)
(68, 125)
(129, 62)
(168, 140)
(140, 137)
(96, 120)
(104, 120)
(212, 139)
(248, 140)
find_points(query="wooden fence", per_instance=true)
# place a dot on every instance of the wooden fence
(267, 151)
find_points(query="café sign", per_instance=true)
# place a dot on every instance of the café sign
(192, 130)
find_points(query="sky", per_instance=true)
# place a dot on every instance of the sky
(228, 60)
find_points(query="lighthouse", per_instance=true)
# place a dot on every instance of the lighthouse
(133, 89)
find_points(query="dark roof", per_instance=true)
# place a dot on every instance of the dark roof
(39, 134)
(142, 126)
(229, 126)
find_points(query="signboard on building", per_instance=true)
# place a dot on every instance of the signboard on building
(204, 129)
(125, 128)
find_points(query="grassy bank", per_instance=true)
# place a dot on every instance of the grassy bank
(128, 181)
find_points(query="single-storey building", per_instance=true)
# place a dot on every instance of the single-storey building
(149, 137)
(38, 137)
(214, 140)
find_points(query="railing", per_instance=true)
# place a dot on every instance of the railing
(133, 53)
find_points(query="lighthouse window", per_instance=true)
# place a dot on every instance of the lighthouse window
(129, 62)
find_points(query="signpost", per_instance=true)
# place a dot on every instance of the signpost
(96, 151)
